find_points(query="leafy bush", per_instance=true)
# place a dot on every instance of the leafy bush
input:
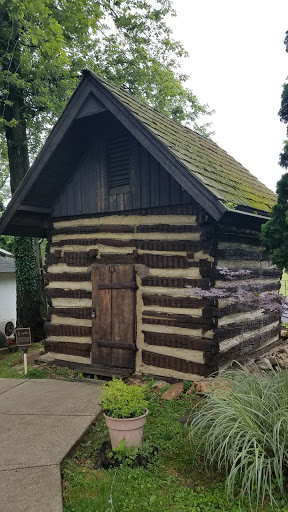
(122, 401)
(245, 432)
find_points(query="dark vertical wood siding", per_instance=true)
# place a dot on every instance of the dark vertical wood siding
(87, 191)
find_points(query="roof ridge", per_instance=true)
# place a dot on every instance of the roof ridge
(146, 104)
(142, 102)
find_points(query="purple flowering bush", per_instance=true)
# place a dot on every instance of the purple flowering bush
(239, 291)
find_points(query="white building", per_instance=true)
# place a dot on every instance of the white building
(7, 295)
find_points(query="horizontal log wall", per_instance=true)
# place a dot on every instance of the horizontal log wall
(74, 349)
(178, 334)
(243, 329)
(170, 248)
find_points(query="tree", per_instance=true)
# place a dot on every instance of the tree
(283, 114)
(137, 51)
(275, 231)
(43, 47)
(4, 174)
(6, 242)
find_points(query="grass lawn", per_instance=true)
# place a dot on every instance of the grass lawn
(174, 480)
(11, 367)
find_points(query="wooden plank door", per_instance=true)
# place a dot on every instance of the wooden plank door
(113, 327)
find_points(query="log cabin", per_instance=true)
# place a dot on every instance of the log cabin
(136, 207)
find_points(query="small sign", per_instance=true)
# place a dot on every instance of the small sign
(23, 337)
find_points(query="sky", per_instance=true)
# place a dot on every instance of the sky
(237, 64)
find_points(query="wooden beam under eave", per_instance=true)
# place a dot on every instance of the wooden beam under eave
(33, 209)
(31, 231)
(26, 223)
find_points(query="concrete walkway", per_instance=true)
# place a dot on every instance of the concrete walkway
(40, 421)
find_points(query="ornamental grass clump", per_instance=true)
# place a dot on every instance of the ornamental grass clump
(122, 401)
(244, 431)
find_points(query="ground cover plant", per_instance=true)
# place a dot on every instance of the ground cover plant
(244, 432)
(175, 478)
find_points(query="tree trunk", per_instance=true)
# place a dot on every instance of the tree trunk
(31, 310)
(16, 138)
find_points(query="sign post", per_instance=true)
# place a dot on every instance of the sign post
(23, 340)
(25, 350)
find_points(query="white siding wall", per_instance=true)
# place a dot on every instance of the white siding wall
(7, 299)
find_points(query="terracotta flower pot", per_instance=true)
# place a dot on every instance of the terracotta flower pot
(129, 428)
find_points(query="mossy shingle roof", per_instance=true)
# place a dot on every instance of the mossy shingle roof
(212, 177)
(226, 178)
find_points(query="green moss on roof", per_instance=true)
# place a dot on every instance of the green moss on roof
(226, 178)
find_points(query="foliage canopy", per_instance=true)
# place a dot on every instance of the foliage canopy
(44, 46)
(275, 231)
(283, 114)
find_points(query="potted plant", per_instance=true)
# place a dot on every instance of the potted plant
(125, 411)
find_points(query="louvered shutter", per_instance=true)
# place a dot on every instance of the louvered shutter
(119, 165)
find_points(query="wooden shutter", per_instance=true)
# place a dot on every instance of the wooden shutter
(113, 328)
(119, 165)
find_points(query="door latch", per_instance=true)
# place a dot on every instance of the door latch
(93, 314)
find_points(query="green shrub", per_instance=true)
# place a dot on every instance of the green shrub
(245, 432)
(122, 401)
